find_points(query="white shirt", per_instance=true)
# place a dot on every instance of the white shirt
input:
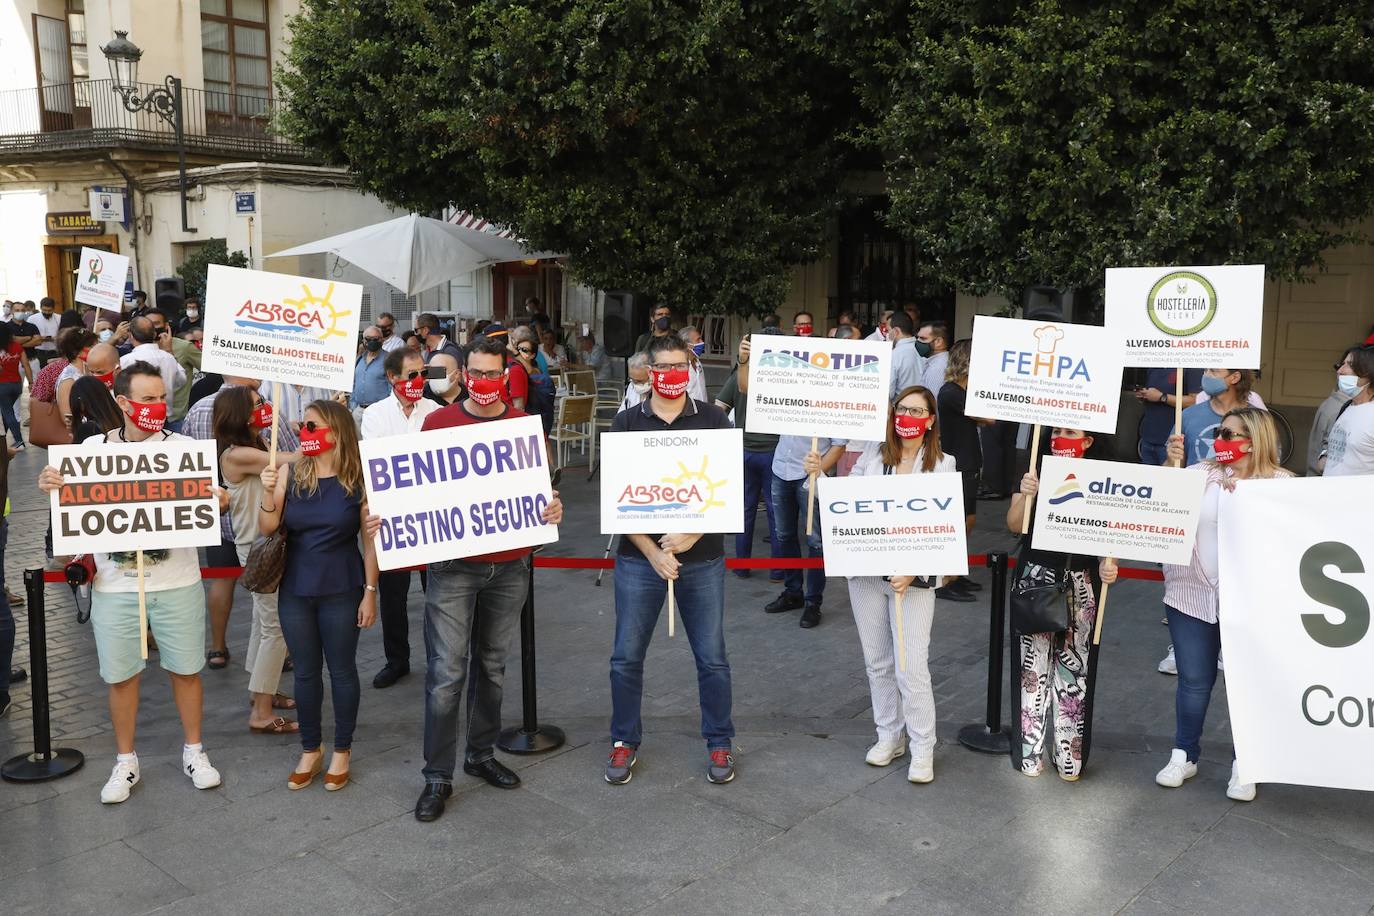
(392, 343)
(173, 376)
(870, 463)
(385, 418)
(1350, 447)
(47, 327)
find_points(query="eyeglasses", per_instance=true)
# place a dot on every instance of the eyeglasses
(491, 375)
(1228, 435)
(314, 427)
(911, 411)
(670, 367)
(528, 351)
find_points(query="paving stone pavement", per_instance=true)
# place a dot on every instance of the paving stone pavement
(806, 828)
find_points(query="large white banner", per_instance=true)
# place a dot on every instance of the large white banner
(1112, 509)
(149, 495)
(818, 386)
(458, 492)
(899, 525)
(280, 327)
(1044, 372)
(1297, 582)
(1189, 317)
(100, 279)
(666, 482)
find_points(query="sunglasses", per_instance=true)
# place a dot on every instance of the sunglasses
(1230, 435)
(314, 427)
(525, 350)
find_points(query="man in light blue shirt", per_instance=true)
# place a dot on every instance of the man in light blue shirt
(369, 378)
(793, 462)
(932, 343)
(907, 364)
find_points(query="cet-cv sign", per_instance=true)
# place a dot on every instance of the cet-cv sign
(1188, 317)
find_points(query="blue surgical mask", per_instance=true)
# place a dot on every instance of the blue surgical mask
(699, 348)
(1349, 384)
(105, 335)
(1213, 386)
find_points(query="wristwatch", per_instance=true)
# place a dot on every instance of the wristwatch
(370, 588)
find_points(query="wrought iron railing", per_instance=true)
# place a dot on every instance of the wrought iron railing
(91, 115)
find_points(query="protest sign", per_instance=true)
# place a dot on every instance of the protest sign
(124, 496)
(280, 327)
(1294, 563)
(900, 525)
(672, 482)
(100, 279)
(1111, 509)
(1044, 372)
(445, 494)
(1188, 317)
(818, 386)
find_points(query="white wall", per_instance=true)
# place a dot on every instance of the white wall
(21, 249)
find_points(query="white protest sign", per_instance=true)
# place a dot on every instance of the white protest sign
(1188, 317)
(100, 278)
(281, 328)
(819, 386)
(120, 496)
(445, 494)
(1297, 581)
(672, 482)
(1045, 372)
(897, 525)
(1111, 509)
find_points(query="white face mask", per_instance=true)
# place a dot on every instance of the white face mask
(441, 386)
(1349, 384)
(105, 335)
(642, 388)
(193, 314)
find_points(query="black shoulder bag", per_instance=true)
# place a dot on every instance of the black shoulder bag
(1040, 598)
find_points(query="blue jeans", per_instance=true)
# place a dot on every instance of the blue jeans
(758, 480)
(10, 392)
(1197, 646)
(324, 627)
(468, 607)
(789, 506)
(6, 620)
(1155, 453)
(699, 594)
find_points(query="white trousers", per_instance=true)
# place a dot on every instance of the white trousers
(903, 701)
(266, 645)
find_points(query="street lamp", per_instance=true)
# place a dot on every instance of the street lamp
(164, 101)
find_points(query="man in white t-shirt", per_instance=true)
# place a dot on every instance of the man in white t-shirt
(174, 598)
(1350, 446)
(155, 349)
(47, 321)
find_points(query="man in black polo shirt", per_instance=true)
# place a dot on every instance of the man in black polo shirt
(645, 563)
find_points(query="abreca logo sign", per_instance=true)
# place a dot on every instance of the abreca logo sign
(1182, 303)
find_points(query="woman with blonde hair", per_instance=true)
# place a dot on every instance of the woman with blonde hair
(903, 701)
(328, 590)
(1245, 448)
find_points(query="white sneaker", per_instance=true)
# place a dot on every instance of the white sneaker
(197, 766)
(123, 778)
(1237, 790)
(884, 752)
(1168, 665)
(922, 768)
(1178, 769)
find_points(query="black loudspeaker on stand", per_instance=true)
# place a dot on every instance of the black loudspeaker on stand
(988, 737)
(45, 762)
(530, 737)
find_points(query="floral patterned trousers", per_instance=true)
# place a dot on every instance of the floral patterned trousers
(1055, 672)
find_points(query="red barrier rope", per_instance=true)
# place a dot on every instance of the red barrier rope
(1147, 574)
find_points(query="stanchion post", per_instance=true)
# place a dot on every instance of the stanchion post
(44, 763)
(530, 737)
(988, 737)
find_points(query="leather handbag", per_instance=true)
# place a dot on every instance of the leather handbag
(1040, 599)
(46, 426)
(266, 563)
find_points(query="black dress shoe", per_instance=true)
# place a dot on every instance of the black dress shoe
(431, 803)
(787, 601)
(388, 676)
(494, 772)
(18, 675)
(968, 584)
(954, 593)
(811, 616)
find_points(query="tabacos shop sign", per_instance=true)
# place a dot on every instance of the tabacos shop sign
(826, 361)
(310, 317)
(1041, 358)
(691, 493)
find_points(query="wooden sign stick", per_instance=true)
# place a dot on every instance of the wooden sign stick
(671, 611)
(811, 492)
(901, 638)
(1035, 457)
(276, 398)
(142, 609)
(1178, 414)
(1101, 612)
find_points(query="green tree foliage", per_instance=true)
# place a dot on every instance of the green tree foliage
(691, 150)
(197, 264)
(1043, 141)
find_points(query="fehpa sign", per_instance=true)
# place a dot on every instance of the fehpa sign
(281, 328)
(1297, 574)
(663, 482)
(1044, 372)
(1189, 317)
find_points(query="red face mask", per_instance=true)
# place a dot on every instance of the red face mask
(483, 391)
(107, 379)
(671, 384)
(1061, 447)
(802, 330)
(84, 354)
(197, 343)
(409, 389)
(149, 417)
(315, 442)
(911, 427)
(262, 416)
(1229, 450)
